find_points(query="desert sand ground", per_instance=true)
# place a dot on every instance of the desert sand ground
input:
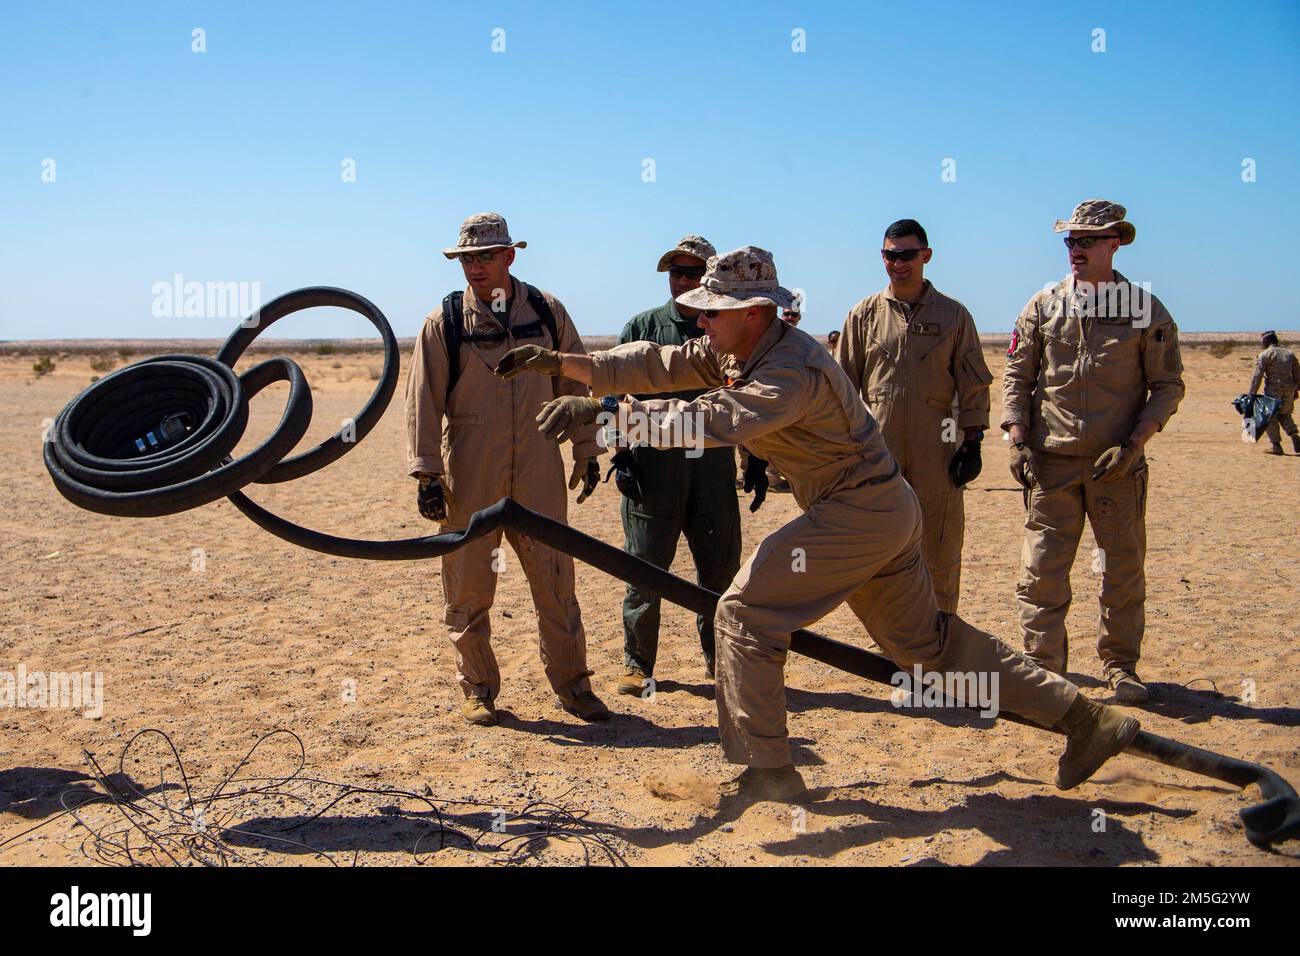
(260, 635)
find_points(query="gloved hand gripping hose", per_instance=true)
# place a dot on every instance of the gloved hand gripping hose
(85, 459)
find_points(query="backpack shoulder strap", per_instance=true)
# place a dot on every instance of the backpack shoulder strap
(452, 318)
(538, 302)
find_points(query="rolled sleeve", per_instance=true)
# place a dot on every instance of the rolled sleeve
(730, 416)
(644, 367)
(426, 397)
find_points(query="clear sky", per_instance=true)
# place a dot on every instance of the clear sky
(227, 165)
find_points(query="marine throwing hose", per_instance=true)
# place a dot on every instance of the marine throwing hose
(155, 438)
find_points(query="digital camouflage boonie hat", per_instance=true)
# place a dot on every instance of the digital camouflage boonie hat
(691, 245)
(481, 232)
(1094, 215)
(737, 280)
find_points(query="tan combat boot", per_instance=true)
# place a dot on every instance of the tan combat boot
(632, 683)
(584, 704)
(1093, 734)
(1128, 687)
(1295, 444)
(479, 711)
(1275, 449)
(778, 784)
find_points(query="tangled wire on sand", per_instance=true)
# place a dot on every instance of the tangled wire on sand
(156, 829)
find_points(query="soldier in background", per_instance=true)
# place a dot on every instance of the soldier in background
(914, 354)
(471, 441)
(1093, 372)
(675, 494)
(1279, 370)
(832, 340)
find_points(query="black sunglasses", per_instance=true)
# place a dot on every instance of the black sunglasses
(1085, 242)
(907, 255)
(686, 272)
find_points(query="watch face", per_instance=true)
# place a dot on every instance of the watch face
(609, 403)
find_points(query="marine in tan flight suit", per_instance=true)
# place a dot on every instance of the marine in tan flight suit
(489, 448)
(915, 356)
(1092, 373)
(1279, 371)
(780, 392)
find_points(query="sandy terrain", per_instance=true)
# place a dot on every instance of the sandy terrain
(264, 636)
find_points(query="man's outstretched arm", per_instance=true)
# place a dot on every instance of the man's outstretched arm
(637, 367)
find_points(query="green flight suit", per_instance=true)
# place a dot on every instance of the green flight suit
(694, 496)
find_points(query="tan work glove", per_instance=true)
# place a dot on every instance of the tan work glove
(587, 472)
(1114, 463)
(560, 418)
(1020, 457)
(529, 358)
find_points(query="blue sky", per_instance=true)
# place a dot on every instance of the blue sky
(226, 165)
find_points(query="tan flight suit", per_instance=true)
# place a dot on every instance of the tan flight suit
(1279, 370)
(491, 448)
(920, 370)
(858, 540)
(1080, 376)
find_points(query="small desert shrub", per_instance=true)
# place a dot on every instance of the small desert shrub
(1221, 349)
(124, 354)
(373, 372)
(42, 366)
(326, 348)
(103, 363)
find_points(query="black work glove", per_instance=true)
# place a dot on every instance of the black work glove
(756, 481)
(431, 498)
(626, 475)
(586, 472)
(966, 464)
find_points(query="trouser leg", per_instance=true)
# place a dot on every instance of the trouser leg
(469, 586)
(944, 518)
(1117, 513)
(898, 610)
(563, 642)
(651, 537)
(712, 527)
(798, 574)
(1054, 512)
(1284, 420)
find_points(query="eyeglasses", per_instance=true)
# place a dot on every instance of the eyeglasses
(686, 272)
(1085, 242)
(479, 256)
(907, 255)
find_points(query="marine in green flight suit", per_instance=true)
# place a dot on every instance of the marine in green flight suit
(695, 496)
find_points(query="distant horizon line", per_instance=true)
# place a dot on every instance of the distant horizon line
(375, 343)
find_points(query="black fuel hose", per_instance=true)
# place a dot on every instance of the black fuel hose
(96, 460)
